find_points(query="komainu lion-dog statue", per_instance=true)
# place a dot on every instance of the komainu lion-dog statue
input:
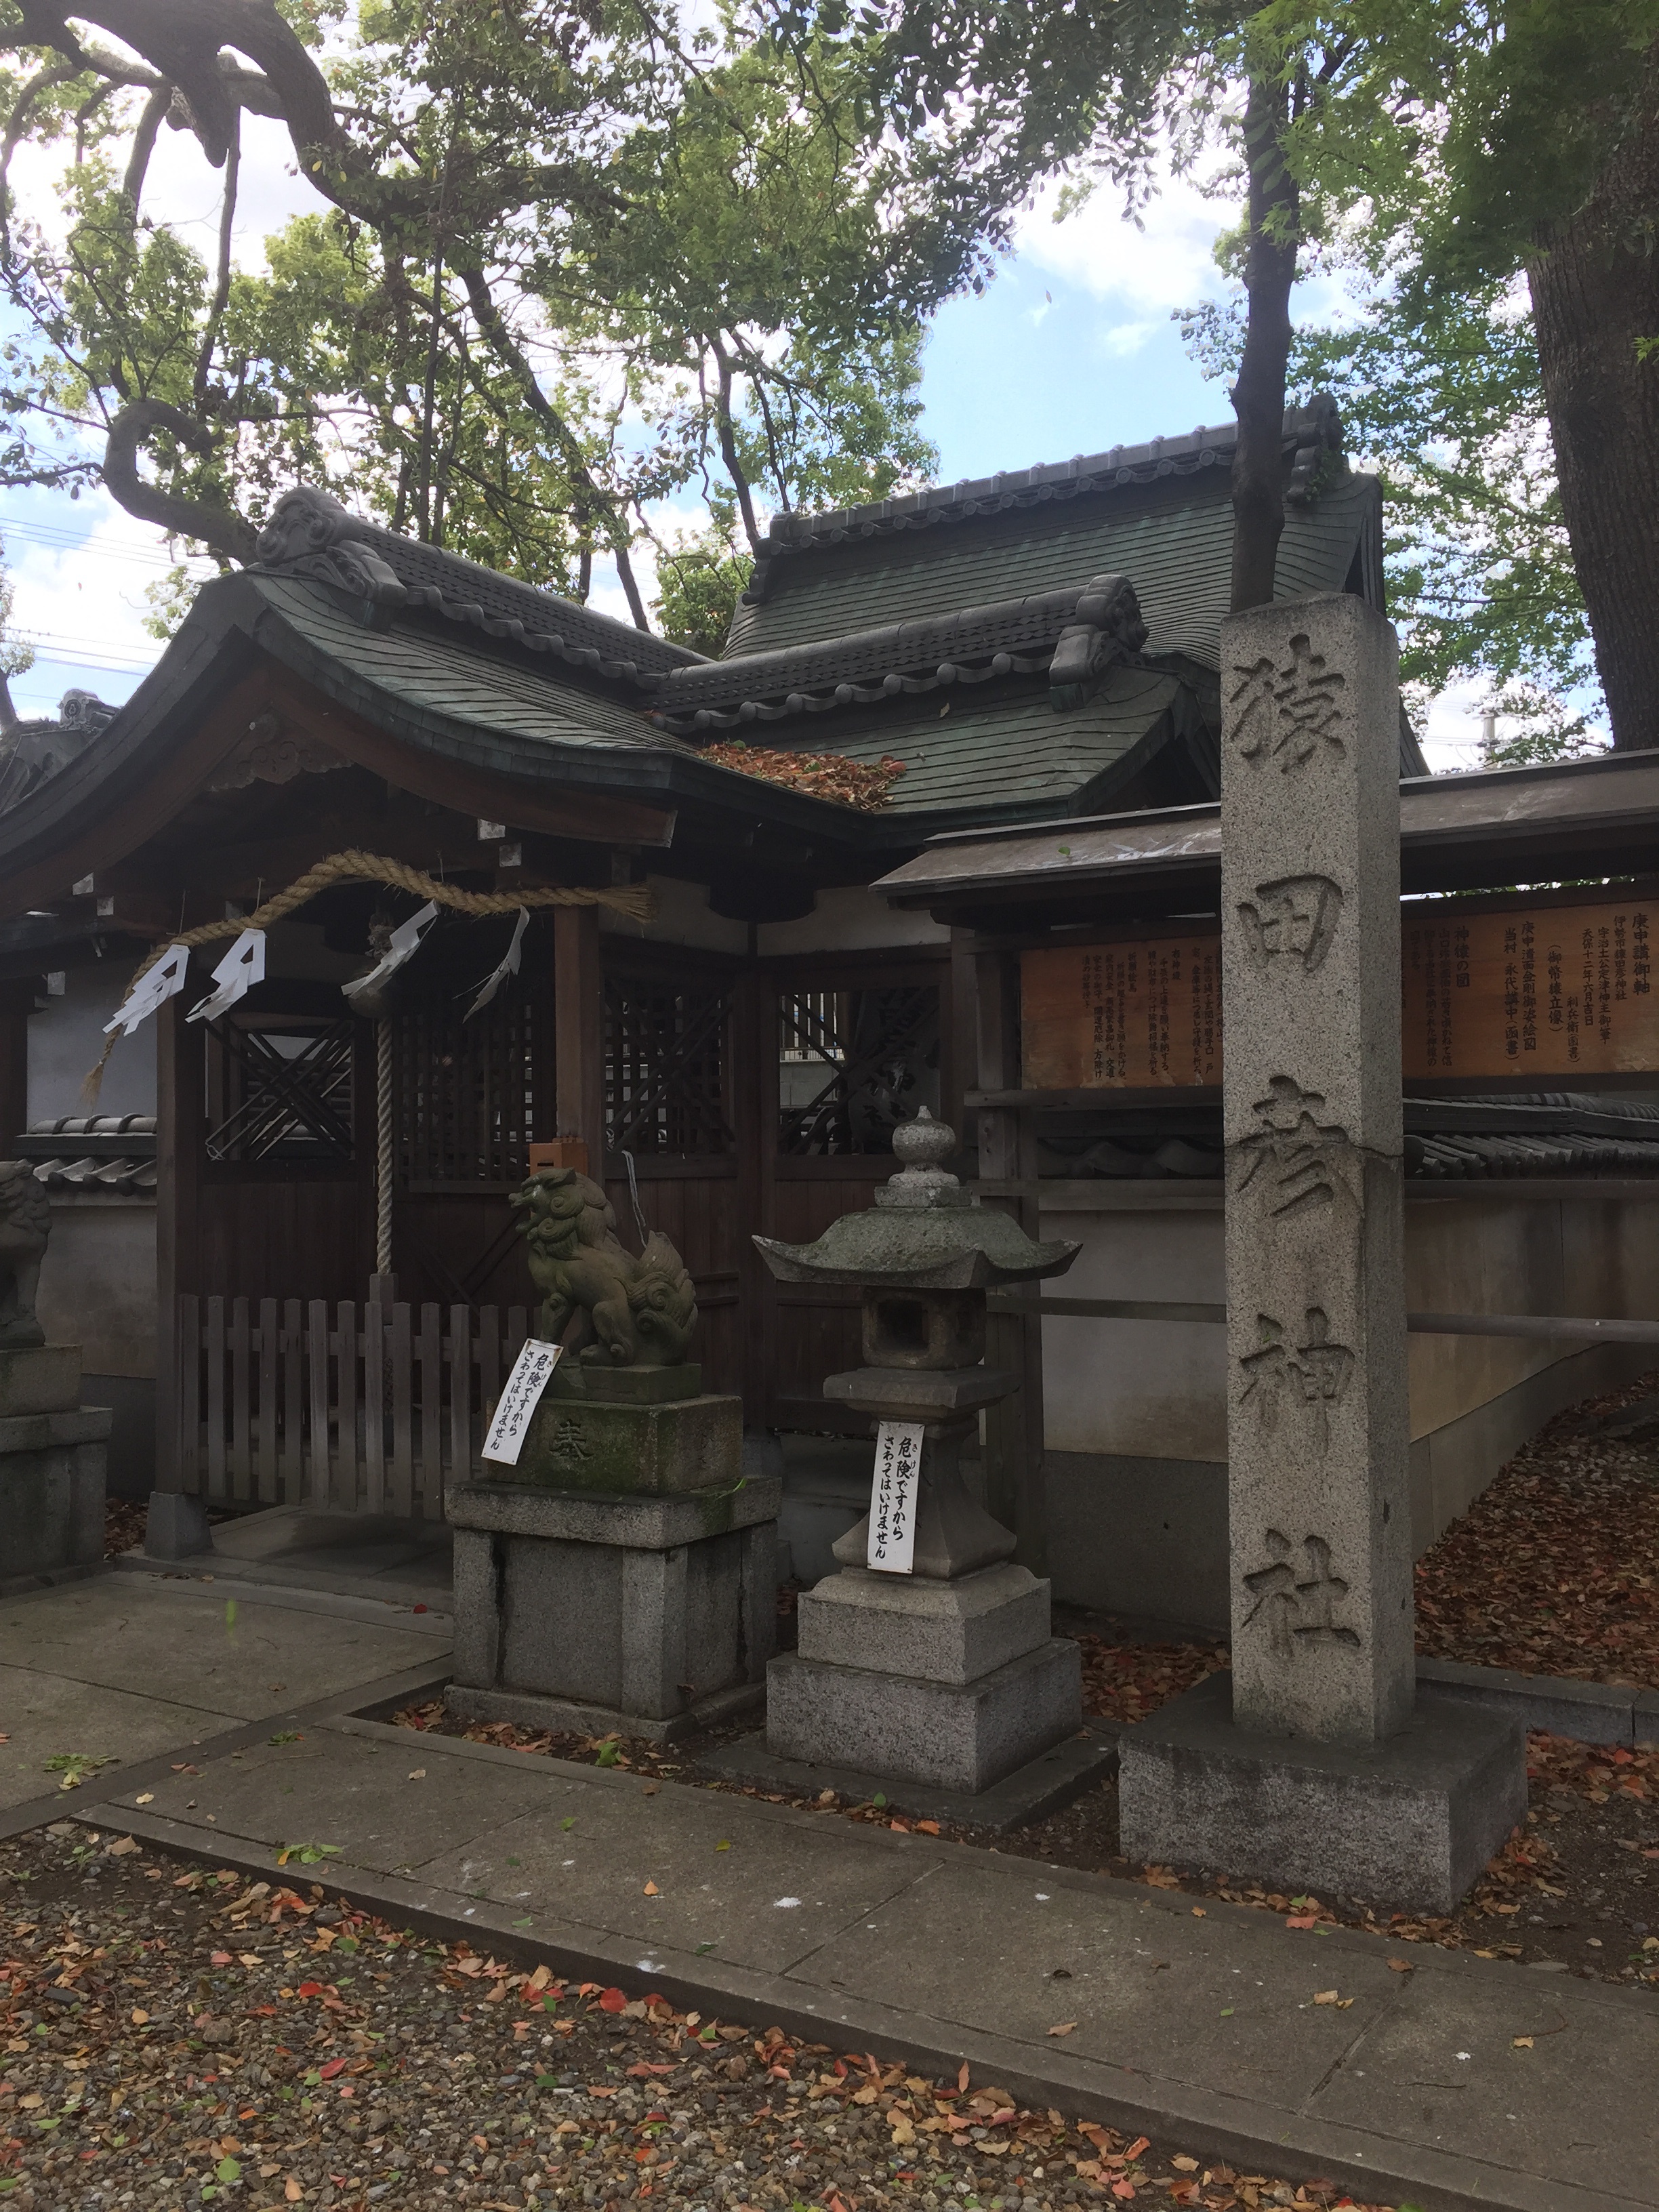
(25, 1213)
(630, 1313)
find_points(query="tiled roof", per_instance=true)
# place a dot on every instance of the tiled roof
(1160, 515)
(107, 1153)
(311, 534)
(1569, 1134)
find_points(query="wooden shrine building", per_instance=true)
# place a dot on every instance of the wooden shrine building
(738, 1018)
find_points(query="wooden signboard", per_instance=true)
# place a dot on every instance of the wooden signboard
(1544, 991)
(1129, 1016)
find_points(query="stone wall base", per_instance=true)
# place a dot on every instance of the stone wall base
(51, 1469)
(1147, 1538)
(1409, 1823)
(960, 1736)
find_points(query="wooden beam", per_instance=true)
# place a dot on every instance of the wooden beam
(470, 790)
(16, 1005)
(579, 1030)
(179, 1115)
(1015, 1488)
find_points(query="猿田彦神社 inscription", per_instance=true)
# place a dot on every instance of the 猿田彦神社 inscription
(1544, 991)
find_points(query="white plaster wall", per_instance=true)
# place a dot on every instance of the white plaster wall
(852, 918)
(1154, 1389)
(67, 1036)
(98, 1283)
(683, 917)
(1157, 1390)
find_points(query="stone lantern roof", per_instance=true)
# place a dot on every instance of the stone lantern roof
(924, 1232)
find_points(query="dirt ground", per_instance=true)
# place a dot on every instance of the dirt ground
(175, 2039)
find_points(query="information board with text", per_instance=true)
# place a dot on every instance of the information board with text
(1550, 991)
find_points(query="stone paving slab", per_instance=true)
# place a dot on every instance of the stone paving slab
(1197, 2025)
(131, 1668)
(181, 1641)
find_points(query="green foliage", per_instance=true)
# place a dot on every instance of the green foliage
(1547, 729)
(577, 261)
(1443, 400)
(698, 583)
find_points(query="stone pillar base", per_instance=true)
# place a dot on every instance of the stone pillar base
(592, 1614)
(176, 1526)
(52, 1452)
(1409, 1823)
(955, 1735)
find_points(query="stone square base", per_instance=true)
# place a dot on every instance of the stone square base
(961, 1736)
(938, 1632)
(52, 1487)
(629, 1614)
(40, 1379)
(614, 1447)
(574, 1717)
(1409, 1823)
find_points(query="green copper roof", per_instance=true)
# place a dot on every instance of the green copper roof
(990, 755)
(1173, 540)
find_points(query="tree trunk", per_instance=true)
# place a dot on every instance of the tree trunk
(1594, 283)
(1258, 397)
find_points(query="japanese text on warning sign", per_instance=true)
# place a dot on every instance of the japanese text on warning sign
(892, 1544)
(533, 1370)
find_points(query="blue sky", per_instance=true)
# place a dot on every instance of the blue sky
(1072, 348)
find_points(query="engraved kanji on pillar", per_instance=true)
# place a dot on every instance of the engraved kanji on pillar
(1317, 1430)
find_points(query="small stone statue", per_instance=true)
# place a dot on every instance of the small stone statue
(25, 1217)
(633, 1313)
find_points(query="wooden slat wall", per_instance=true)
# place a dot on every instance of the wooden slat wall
(370, 1410)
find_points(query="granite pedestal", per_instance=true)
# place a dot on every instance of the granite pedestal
(52, 1453)
(648, 1614)
(1408, 1822)
(947, 1675)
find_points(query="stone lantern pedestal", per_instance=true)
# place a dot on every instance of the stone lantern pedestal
(945, 1675)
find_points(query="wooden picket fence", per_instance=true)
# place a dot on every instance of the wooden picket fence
(353, 1408)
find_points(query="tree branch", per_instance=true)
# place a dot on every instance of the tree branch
(507, 351)
(1273, 214)
(727, 434)
(144, 142)
(222, 283)
(226, 532)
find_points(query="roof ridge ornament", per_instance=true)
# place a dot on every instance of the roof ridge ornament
(1109, 627)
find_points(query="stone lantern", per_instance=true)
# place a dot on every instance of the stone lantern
(945, 1674)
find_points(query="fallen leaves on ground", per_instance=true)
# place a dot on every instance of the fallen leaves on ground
(1125, 1680)
(419, 2075)
(1554, 1569)
(124, 1527)
(864, 784)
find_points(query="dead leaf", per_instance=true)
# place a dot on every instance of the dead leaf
(1327, 1996)
(121, 1846)
(1185, 2164)
(1521, 2043)
(418, 1774)
(652, 1890)
(1064, 2028)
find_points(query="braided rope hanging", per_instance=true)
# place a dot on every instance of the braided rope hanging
(637, 901)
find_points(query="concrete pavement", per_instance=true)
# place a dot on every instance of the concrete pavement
(1203, 2027)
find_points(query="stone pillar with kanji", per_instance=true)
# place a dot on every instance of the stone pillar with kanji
(1318, 1434)
(1315, 1764)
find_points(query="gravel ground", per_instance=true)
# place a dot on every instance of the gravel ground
(175, 2039)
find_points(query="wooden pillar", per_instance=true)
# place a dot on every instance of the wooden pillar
(579, 1030)
(1007, 1153)
(179, 1116)
(16, 1003)
(754, 1064)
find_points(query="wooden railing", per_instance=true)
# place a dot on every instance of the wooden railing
(353, 1408)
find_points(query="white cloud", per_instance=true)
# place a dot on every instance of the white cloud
(1152, 266)
(1126, 338)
